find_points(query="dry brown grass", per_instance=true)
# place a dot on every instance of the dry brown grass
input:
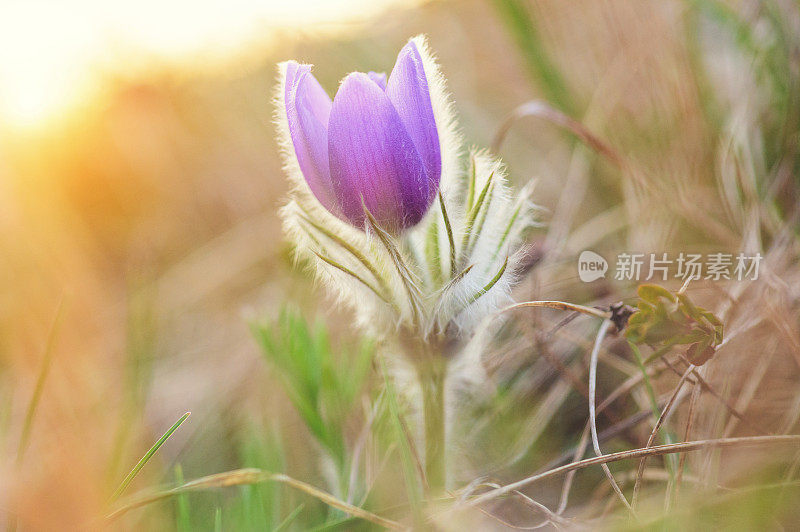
(153, 218)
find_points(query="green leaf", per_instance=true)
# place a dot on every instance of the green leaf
(490, 284)
(352, 274)
(321, 381)
(432, 254)
(472, 214)
(450, 240)
(476, 231)
(141, 463)
(653, 292)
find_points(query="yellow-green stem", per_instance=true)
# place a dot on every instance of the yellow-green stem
(432, 375)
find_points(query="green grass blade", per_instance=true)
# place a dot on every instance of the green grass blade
(149, 454)
(30, 412)
(520, 24)
(182, 504)
(671, 461)
(289, 518)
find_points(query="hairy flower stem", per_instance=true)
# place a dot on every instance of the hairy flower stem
(432, 374)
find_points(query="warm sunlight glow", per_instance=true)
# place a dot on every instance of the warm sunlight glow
(50, 50)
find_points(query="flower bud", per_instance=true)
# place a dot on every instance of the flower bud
(375, 146)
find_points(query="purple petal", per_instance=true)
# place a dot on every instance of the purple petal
(408, 91)
(373, 157)
(308, 108)
(379, 78)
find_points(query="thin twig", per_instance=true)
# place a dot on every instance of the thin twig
(656, 450)
(414, 453)
(754, 378)
(603, 436)
(592, 414)
(710, 389)
(552, 517)
(690, 418)
(567, 374)
(561, 324)
(664, 413)
(562, 505)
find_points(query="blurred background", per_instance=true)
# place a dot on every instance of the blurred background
(140, 180)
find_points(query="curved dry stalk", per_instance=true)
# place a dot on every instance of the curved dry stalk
(542, 109)
(689, 420)
(506, 524)
(629, 384)
(575, 381)
(751, 385)
(656, 450)
(551, 517)
(605, 435)
(558, 305)
(601, 334)
(579, 452)
(718, 396)
(664, 413)
(239, 477)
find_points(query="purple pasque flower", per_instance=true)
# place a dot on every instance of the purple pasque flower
(375, 146)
